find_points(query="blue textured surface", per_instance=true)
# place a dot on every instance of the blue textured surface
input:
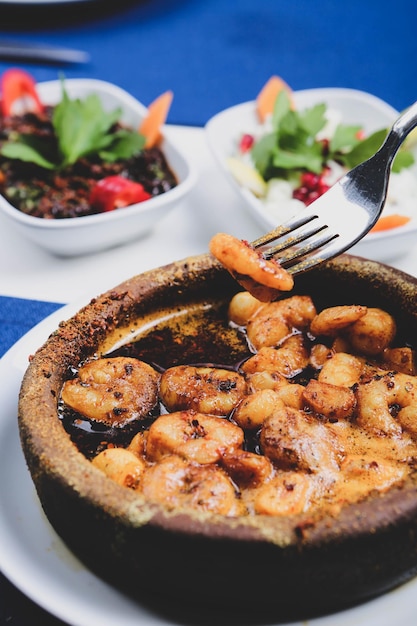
(18, 316)
(217, 53)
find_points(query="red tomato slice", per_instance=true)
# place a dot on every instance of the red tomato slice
(18, 85)
(116, 192)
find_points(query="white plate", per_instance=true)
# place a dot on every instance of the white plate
(37, 562)
(357, 108)
(92, 233)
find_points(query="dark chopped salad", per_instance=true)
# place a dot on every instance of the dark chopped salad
(75, 159)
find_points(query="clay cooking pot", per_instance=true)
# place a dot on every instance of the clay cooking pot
(291, 566)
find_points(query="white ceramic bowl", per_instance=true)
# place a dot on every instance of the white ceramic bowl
(357, 108)
(92, 233)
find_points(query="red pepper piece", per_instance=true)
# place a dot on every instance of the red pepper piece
(115, 192)
(17, 85)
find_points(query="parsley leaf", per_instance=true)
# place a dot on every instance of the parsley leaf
(313, 120)
(25, 149)
(82, 128)
(345, 138)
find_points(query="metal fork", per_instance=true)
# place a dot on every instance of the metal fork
(344, 214)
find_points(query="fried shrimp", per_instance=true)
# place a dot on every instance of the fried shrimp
(294, 440)
(267, 370)
(247, 469)
(121, 465)
(384, 397)
(289, 359)
(113, 391)
(401, 359)
(264, 279)
(256, 407)
(204, 389)
(242, 307)
(277, 320)
(330, 400)
(178, 483)
(194, 436)
(289, 493)
(372, 333)
(341, 369)
(332, 320)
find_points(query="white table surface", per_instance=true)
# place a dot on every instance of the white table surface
(26, 271)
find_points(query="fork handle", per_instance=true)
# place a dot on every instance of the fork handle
(399, 131)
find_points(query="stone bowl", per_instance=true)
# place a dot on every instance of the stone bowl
(275, 568)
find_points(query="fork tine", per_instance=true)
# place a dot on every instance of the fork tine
(284, 229)
(288, 259)
(292, 240)
(307, 264)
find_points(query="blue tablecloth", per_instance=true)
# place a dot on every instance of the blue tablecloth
(18, 316)
(217, 53)
(212, 54)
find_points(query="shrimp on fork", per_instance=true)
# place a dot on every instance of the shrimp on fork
(264, 278)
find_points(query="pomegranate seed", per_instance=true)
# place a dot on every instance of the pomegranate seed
(310, 180)
(313, 195)
(246, 143)
(322, 188)
(312, 187)
(300, 194)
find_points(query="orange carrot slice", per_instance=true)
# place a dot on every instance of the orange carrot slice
(157, 113)
(268, 94)
(386, 222)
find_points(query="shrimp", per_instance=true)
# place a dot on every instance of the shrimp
(332, 320)
(264, 279)
(270, 367)
(288, 360)
(342, 369)
(372, 333)
(251, 413)
(193, 436)
(180, 484)
(121, 465)
(330, 400)
(401, 359)
(204, 389)
(289, 493)
(113, 391)
(242, 307)
(294, 440)
(382, 393)
(247, 469)
(277, 320)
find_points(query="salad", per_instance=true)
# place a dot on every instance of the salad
(294, 156)
(76, 158)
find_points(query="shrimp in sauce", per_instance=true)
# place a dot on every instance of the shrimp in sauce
(313, 420)
(113, 391)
